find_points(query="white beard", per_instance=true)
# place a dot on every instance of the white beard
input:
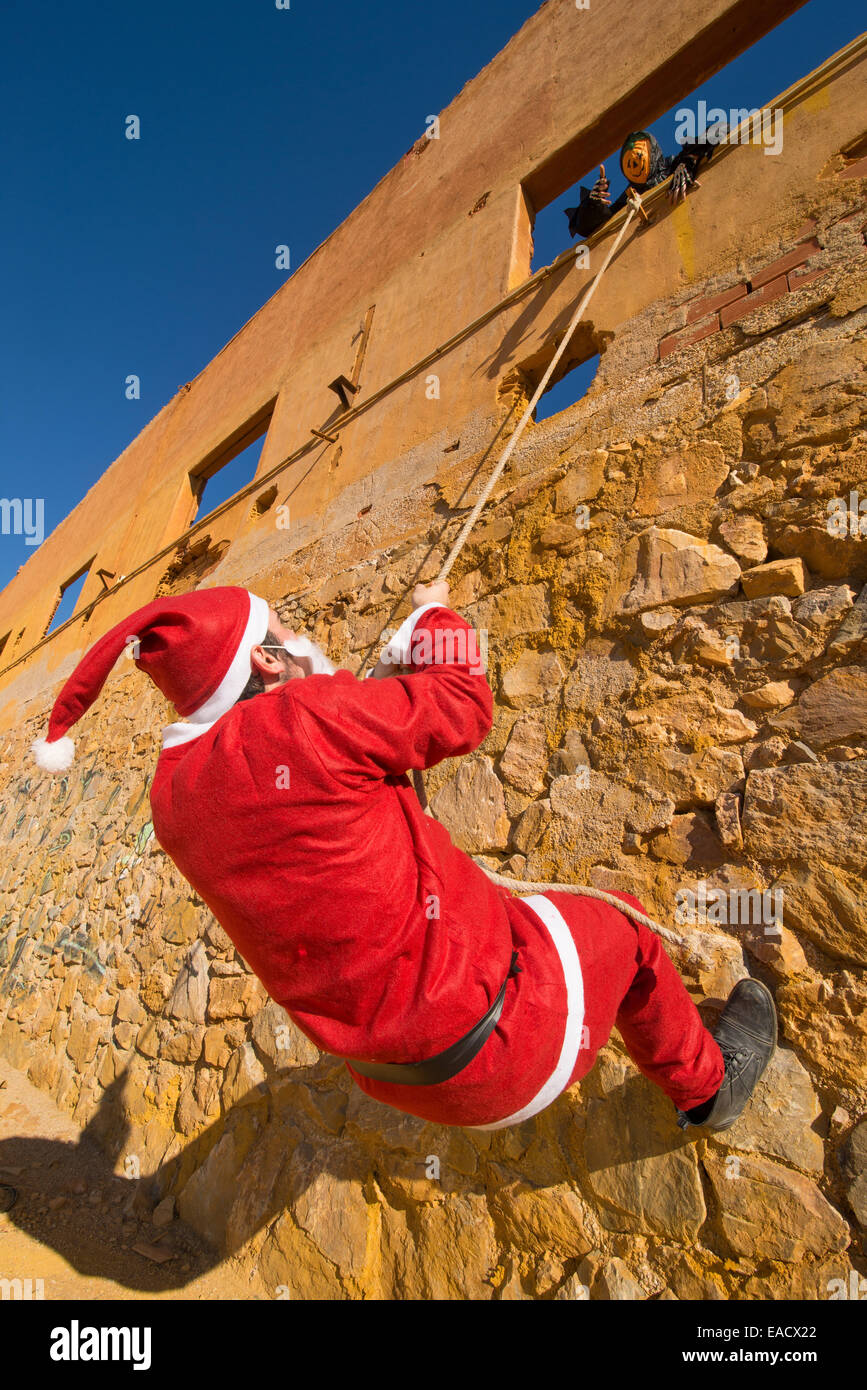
(303, 647)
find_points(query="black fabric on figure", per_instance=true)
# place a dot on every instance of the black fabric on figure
(701, 1112)
(590, 215)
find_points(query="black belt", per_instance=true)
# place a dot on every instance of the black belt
(445, 1064)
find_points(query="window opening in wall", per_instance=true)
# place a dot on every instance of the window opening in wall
(570, 388)
(229, 478)
(748, 83)
(232, 466)
(3, 644)
(70, 592)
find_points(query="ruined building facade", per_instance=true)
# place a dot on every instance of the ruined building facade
(671, 580)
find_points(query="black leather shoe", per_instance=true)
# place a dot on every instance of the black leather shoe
(747, 1038)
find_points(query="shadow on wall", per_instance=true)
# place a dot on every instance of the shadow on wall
(263, 1157)
(526, 325)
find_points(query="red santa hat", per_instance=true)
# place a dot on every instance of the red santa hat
(195, 648)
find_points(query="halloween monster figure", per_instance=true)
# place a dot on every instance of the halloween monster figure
(644, 166)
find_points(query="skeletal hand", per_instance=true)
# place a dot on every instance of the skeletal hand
(682, 180)
(599, 192)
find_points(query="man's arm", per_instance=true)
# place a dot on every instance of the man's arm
(395, 657)
(441, 707)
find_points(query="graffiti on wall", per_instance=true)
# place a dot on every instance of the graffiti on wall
(71, 861)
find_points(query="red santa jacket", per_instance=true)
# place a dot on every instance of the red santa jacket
(293, 818)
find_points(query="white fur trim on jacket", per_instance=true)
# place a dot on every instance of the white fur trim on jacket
(398, 650)
(230, 687)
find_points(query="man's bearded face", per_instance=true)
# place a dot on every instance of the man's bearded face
(635, 162)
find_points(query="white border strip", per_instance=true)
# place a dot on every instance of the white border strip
(398, 651)
(230, 687)
(558, 1080)
(175, 734)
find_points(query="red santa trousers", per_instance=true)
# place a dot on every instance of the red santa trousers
(615, 972)
(631, 984)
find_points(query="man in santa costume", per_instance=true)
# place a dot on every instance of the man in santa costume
(282, 796)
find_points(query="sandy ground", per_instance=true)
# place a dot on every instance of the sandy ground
(73, 1223)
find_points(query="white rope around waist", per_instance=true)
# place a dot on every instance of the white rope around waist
(520, 887)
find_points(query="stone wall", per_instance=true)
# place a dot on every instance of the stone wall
(439, 241)
(676, 627)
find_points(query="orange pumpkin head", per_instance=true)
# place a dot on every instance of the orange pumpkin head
(635, 159)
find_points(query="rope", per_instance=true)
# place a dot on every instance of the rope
(581, 890)
(473, 517)
(518, 886)
(463, 536)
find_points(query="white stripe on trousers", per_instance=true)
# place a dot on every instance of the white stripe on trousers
(558, 1080)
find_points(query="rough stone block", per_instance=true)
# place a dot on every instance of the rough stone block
(690, 839)
(809, 811)
(645, 1175)
(189, 998)
(745, 536)
(787, 577)
(773, 695)
(280, 1040)
(535, 679)
(525, 759)
(826, 905)
(234, 996)
(831, 710)
(681, 479)
(769, 1212)
(473, 808)
(679, 569)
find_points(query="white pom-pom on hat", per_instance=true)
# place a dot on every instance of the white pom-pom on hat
(53, 757)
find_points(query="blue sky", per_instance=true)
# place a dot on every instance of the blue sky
(259, 127)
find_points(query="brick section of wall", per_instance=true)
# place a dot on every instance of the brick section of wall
(797, 256)
(858, 170)
(673, 342)
(710, 313)
(711, 303)
(770, 291)
(800, 277)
